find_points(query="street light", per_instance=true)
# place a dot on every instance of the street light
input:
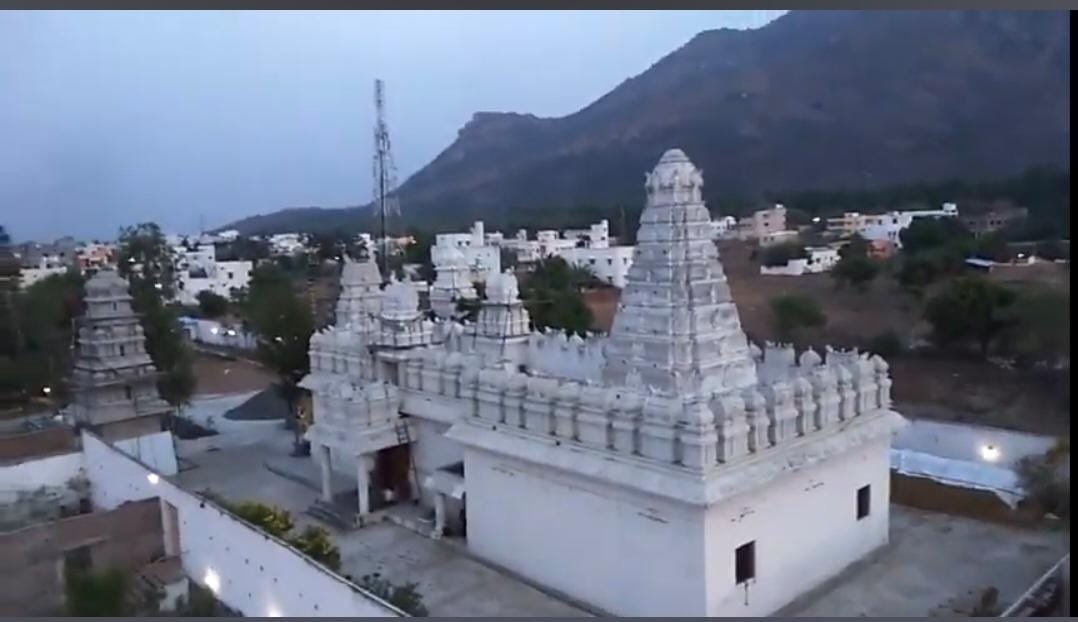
(46, 390)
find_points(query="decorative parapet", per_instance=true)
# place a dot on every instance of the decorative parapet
(693, 432)
(564, 355)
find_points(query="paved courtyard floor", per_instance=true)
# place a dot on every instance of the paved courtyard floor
(934, 563)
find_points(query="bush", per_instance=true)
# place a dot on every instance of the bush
(405, 597)
(315, 543)
(96, 593)
(211, 305)
(1046, 485)
(273, 521)
(887, 344)
(790, 313)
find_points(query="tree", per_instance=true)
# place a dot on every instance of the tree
(283, 325)
(96, 594)
(145, 259)
(211, 305)
(971, 309)
(781, 254)
(992, 246)
(925, 234)
(44, 314)
(791, 313)
(552, 295)
(854, 265)
(1040, 327)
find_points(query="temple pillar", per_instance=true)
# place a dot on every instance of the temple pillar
(363, 484)
(327, 475)
(439, 514)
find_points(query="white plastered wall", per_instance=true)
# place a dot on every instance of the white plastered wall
(805, 527)
(615, 550)
(249, 570)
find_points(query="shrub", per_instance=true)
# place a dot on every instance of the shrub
(887, 344)
(315, 543)
(405, 597)
(274, 521)
(96, 593)
(790, 313)
(781, 254)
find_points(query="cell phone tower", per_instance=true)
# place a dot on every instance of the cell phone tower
(385, 174)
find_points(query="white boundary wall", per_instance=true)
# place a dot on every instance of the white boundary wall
(254, 572)
(33, 473)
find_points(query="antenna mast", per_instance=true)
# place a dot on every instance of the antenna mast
(385, 173)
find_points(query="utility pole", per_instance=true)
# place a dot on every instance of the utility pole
(385, 174)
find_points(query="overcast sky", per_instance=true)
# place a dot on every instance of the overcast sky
(113, 118)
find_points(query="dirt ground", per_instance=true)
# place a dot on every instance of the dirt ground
(220, 376)
(949, 389)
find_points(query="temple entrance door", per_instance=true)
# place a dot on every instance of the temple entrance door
(391, 472)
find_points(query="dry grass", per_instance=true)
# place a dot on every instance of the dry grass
(952, 389)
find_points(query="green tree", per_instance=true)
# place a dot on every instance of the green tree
(45, 314)
(791, 313)
(972, 309)
(211, 305)
(926, 234)
(145, 259)
(283, 325)
(1040, 327)
(553, 296)
(96, 593)
(854, 266)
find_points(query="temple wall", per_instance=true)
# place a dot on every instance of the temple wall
(805, 529)
(614, 549)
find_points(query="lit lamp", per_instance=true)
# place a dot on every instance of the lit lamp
(46, 391)
(153, 478)
(212, 581)
(990, 453)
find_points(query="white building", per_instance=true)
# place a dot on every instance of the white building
(885, 227)
(722, 227)
(482, 260)
(820, 259)
(287, 243)
(198, 270)
(609, 264)
(670, 468)
(41, 269)
(761, 224)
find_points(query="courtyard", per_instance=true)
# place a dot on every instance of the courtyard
(934, 563)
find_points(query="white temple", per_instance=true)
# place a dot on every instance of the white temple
(670, 468)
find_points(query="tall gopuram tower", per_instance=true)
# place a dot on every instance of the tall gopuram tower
(114, 382)
(704, 475)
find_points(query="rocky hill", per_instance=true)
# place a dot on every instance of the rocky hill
(815, 99)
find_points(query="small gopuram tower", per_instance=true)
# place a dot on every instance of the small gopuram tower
(114, 381)
(503, 325)
(703, 476)
(360, 299)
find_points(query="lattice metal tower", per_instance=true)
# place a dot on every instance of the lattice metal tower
(385, 174)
